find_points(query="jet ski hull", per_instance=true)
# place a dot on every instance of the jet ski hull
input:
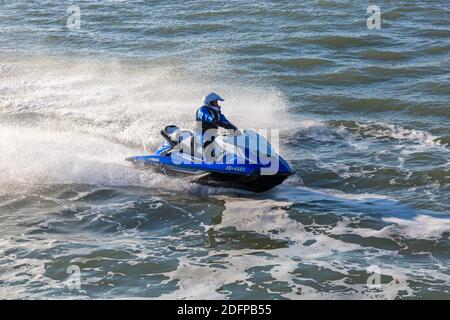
(248, 182)
(252, 183)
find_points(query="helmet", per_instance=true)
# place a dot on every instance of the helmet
(211, 97)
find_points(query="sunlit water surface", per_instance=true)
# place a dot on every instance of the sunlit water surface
(364, 118)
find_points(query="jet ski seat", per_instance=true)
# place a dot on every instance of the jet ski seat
(171, 133)
(188, 136)
(185, 134)
(174, 135)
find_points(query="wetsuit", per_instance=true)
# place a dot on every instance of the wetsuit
(211, 118)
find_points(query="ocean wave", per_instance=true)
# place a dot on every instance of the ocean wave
(300, 62)
(397, 132)
(340, 41)
(385, 55)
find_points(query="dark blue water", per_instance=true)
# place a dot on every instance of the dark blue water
(364, 119)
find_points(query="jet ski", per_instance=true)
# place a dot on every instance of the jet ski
(245, 161)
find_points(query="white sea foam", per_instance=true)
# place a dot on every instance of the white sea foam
(197, 279)
(75, 120)
(422, 227)
(420, 138)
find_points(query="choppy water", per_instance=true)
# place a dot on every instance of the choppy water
(365, 122)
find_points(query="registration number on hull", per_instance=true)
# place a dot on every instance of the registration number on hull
(237, 169)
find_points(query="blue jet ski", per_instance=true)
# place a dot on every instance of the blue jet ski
(246, 161)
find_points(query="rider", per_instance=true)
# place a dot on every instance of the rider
(209, 117)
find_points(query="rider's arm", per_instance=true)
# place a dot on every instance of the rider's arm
(224, 123)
